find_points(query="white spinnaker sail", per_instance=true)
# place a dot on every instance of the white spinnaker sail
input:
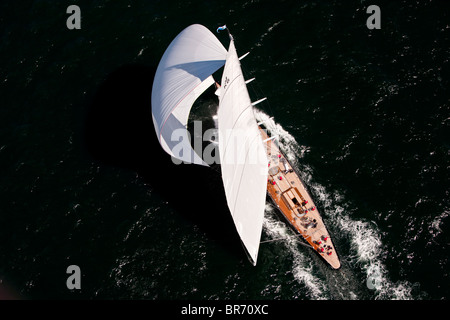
(243, 156)
(183, 74)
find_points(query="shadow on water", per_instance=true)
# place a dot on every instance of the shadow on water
(119, 132)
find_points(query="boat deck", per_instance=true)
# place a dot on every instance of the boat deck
(291, 197)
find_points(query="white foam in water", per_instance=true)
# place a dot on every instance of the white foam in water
(290, 147)
(366, 246)
(301, 266)
(435, 227)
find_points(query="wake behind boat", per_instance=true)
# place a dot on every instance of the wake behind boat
(289, 194)
(248, 169)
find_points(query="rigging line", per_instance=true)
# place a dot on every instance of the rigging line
(242, 172)
(242, 112)
(229, 137)
(246, 75)
(286, 238)
(255, 85)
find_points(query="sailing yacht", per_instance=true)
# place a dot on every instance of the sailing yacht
(252, 166)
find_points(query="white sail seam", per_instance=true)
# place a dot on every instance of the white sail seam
(229, 86)
(240, 180)
(176, 106)
(234, 124)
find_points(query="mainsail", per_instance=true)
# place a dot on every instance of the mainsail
(242, 154)
(183, 74)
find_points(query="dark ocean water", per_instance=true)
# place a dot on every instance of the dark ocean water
(363, 114)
